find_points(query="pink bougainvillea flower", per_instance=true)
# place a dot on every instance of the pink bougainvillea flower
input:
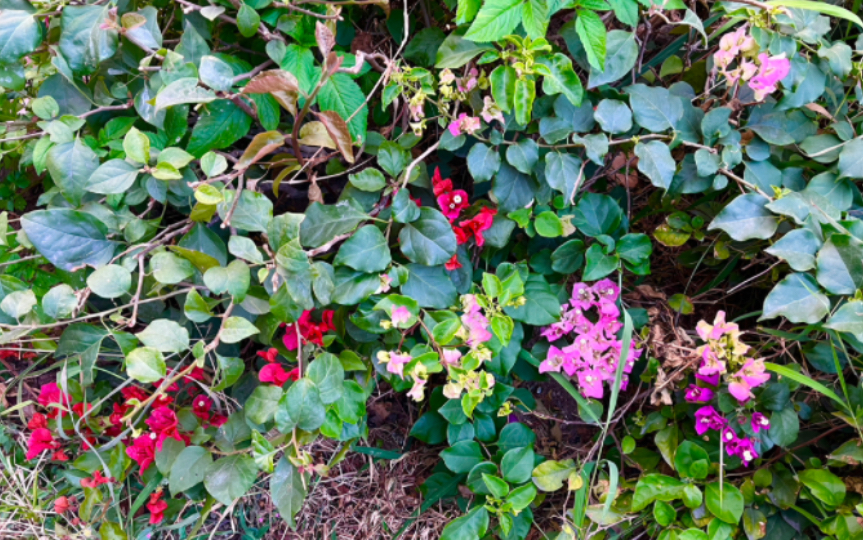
(754, 372)
(490, 111)
(772, 70)
(475, 322)
(698, 394)
(590, 382)
(554, 360)
(712, 380)
(606, 291)
(401, 315)
(718, 329)
(583, 296)
(464, 124)
(451, 357)
(395, 361)
(739, 388)
(728, 436)
(744, 449)
(53, 399)
(143, 450)
(759, 422)
(707, 418)
(711, 364)
(417, 391)
(40, 440)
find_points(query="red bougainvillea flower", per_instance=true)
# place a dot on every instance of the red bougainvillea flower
(453, 263)
(78, 409)
(439, 184)
(311, 331)
(201, 407)
(462, 236)
(451, 201)
(269, 355)
(38, 421)
(479, 224)
(53, 399)
(59, 455)
(143, 450)
(40, 440)
(174, 387)
(96, 481)
(164, 422)
(277, 375)
(218, 419)
(61, 505)
(157, 507)
(133, 392)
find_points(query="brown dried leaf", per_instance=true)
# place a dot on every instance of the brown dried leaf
(338, 130)
(263, 144)
(315, 194)
(280, 84)
(325, 38)
(660, 394)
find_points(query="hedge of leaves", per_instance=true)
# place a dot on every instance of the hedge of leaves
(252, 215)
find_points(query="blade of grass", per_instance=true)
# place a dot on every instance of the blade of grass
(806, 381)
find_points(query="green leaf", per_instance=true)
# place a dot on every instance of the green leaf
(482, 162)
(541, 307)
(840, 264)
(496, 19)
(137, 146)
(352, 287)
(820, 7)
(145, 365)
(599, 264)
(656, 487)
(613, 116)
(517, 465)
(591, 31)
(263, 403)
(68, 238)
(20, 34)
(456, 50)
(550, 475)
(113, 176)
(563, 173)
(229, 478)
(621, 55)
(429, 240)
(535, 18)
(568, 258)
(597, 214)
(248, 21)
(165, 336)
(559, 78)
(237, 329)
(462, 456)
(325, 222)
(233, 279)
(746, 218)
(691, 460)
(471, 526)
(189, 468)
(393, 158)
(371, 180)
(784, 427)
(512, 189)
(804, 380)
(727, 506)
(181, 91)
(366, 251)
(110, 281)
(655, 108)
(525, 93)
(342, 95)
(523, 155)
(244, 248)
(71, 164)
(301, 407)
(655, 162)
(327, 373)
(502, 81)
(252, 213)
(220, 125)
(404, 209)
(798, 248)
(848, 318)
(430, 286)
(634, 248)
(60, 301)
(287, 490)
(83, 44)
(548, 225)
(797, 298)
(496, 485)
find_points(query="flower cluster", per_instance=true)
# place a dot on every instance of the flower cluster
(452, 202)
(273, 372)
(595, 351)
(762, 71)
(311, 331)
(723, 350)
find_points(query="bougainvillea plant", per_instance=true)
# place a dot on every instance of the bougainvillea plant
(229, 225)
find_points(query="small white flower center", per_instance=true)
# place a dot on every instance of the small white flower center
(588, 379)
(202, 403)
(152, 435)
(729, 436)
(764, 421)
(747, 455)
(457, 199)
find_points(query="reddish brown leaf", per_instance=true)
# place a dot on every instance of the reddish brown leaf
(261, 145)
(280, 84)
(338, 130)
(326, 39)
